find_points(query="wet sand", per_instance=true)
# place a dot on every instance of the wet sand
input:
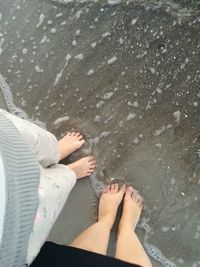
(127, 76)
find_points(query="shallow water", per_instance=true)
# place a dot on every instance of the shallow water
(125, 73)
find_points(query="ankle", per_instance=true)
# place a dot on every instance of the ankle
(107, 221)
(125, 226)
(62, 151)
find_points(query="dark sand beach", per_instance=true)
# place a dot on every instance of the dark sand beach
(126, 74)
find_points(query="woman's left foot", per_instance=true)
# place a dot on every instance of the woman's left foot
(70, 143)
(83, 167)
(110, 199)
(132, 207)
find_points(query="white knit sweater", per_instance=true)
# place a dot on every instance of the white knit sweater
(19, 179)
(2, 197)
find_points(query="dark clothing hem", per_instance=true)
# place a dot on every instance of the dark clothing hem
(54, 255)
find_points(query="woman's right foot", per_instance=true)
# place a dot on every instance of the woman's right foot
(70, 143)
(109, 202)
(83, 167)
(132, 208)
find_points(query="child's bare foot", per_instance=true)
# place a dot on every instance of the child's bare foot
(83, 167)
(132, 207)
(110, 199)
(69, 143)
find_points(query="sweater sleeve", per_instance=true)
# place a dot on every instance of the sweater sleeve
(2, 197)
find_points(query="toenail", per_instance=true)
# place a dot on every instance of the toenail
(108, 187)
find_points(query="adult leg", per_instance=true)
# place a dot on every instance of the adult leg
(96, 237)
(56, 183)
(128, 247)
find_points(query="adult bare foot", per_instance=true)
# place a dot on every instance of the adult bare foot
(132, 207)
(109, 202)
(69, 143)
(83, 167)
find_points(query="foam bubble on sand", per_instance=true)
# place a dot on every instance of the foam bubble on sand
(93, 44)
(136, 140)
(90, 72)
(68, 57)
(152, 70)
(38, 69)
(104, 134)
(53, 30)
(177, 115)
(133, 22)
(108, 95)
(77, 32)
(106, 34)
(195, 104)
(78, 14)
(158, 90)
(74, 42)
(98, 138)
(153, 251)
(24, 51)
(61, 120)
(44, 39)
(121, 40)
(79, 56)
(1, 43)
(59, 75)
(99, 104)
(63, 23)
(114, 2)
(159, 145)
(97, 118)
(8, 97)
(134, 104)
(112, 60)
(165, 229)
(49, 22)
(159, 131)
(142, 54)
(41, 20)
(97, 185)
(130, 116)
(157, 255)
(196, 264)
(59, 15)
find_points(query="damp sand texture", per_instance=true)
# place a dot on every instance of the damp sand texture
(126, 74)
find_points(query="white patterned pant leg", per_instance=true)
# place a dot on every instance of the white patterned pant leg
(56, 181)
(55, 186)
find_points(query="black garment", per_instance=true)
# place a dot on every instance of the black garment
(54, 255)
